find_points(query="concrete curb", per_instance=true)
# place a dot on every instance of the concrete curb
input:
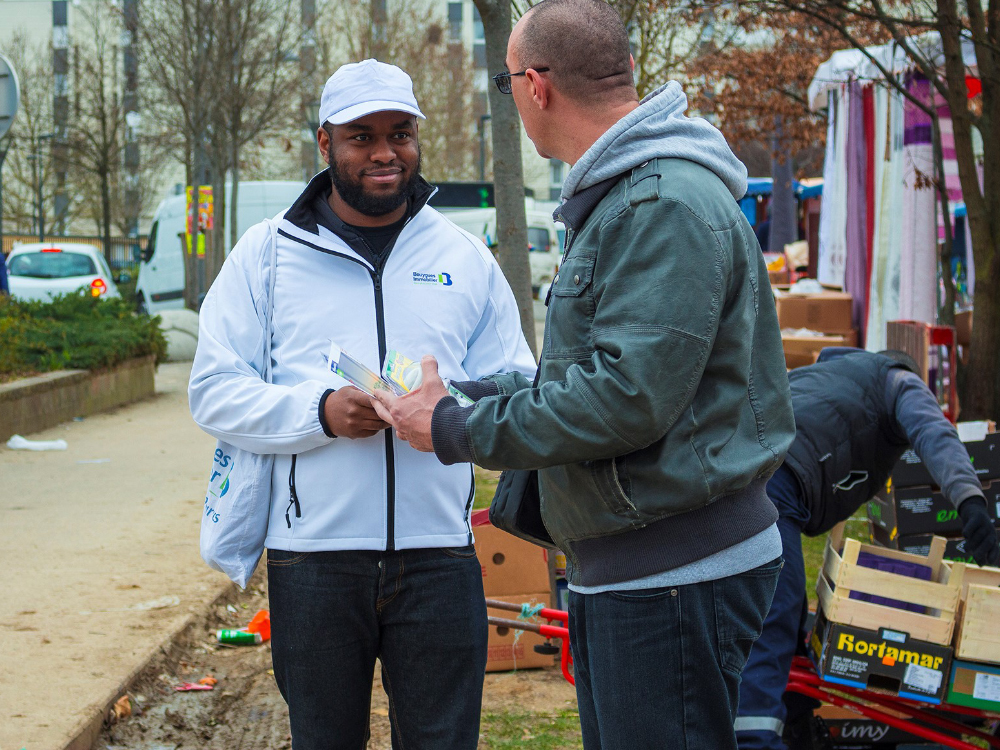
(34, 404)
(87, 731)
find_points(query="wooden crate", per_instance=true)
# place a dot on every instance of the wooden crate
(841, 575)
(977, 637)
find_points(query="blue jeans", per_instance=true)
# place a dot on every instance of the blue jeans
(762, 711)
(661, 667)
(420, 612)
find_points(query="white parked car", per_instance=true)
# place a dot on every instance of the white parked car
(41, 270)
(544, 238)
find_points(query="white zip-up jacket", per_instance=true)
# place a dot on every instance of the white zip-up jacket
(440, 292)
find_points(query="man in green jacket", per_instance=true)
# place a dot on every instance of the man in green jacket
(662, 405)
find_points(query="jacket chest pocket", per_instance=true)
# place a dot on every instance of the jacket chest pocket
(569, 329)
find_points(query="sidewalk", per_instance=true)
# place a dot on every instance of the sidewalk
(99, 548)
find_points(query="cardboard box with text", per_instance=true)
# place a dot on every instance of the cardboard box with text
(885, 659)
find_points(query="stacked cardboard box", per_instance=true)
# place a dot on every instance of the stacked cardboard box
(910, 510)
(826, 314)
(516, 572)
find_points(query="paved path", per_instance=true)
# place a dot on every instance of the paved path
(99, 548)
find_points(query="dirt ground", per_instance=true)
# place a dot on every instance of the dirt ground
(99, 548)
(244, 711)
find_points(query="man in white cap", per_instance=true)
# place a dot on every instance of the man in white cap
(369, 543)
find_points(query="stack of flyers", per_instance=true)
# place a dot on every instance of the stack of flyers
(402, 371)
(355, 373)
(405, 373)
(400, 374)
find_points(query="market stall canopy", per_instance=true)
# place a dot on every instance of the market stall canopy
(807, 188)
(859, 65)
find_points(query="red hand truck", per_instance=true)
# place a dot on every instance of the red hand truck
(921, 720)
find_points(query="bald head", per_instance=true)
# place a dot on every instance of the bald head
(585, 46)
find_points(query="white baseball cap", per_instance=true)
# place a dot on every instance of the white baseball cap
(359, 89)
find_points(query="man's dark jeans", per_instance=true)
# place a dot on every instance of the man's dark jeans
(661, 667)
(420, 612)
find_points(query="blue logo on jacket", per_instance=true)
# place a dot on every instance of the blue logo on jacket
(444, 279)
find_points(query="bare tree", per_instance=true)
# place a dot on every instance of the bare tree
(667, 35)
(253, 80)
(412, 36)
(28, 171)
(943, 40)
(177, 37)
(508, 172)
(218, 77)
(96, 137)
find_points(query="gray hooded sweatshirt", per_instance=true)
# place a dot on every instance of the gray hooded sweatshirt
(657, 128)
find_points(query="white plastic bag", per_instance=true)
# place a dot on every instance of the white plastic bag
(18, 443)
(238, 499)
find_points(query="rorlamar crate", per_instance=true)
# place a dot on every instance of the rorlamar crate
(856, 587)
(905, 511)
(974, 685)
(977, 637)
(984, 454)
(883, 659)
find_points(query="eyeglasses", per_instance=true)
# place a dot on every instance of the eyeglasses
(502, 80)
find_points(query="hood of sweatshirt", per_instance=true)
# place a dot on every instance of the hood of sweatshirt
(657, 128)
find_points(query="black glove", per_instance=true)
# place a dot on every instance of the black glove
(977, 528)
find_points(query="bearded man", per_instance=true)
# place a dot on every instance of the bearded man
(369, 541)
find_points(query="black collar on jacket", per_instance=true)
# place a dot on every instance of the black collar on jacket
(303, 215)
(576, 210)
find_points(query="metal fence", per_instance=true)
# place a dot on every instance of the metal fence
(121, 252)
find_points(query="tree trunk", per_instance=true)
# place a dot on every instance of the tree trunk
(982, 381)
(213, 259)
(982, 394)
(234, 196)
(946, 312)
(201, 169)
(105, 179)
(784, 220)
(187, 239)
(508, 175)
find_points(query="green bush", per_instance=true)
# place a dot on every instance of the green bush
(74, 331)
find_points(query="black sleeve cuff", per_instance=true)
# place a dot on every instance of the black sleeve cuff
(322, 413)
(967, 504)
(451, 445)
(477, 389)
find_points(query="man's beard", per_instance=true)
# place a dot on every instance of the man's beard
(352, 192)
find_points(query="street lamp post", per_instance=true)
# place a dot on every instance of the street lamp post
(482, 146)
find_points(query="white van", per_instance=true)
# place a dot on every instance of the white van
(161, 273)
(544, 237)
